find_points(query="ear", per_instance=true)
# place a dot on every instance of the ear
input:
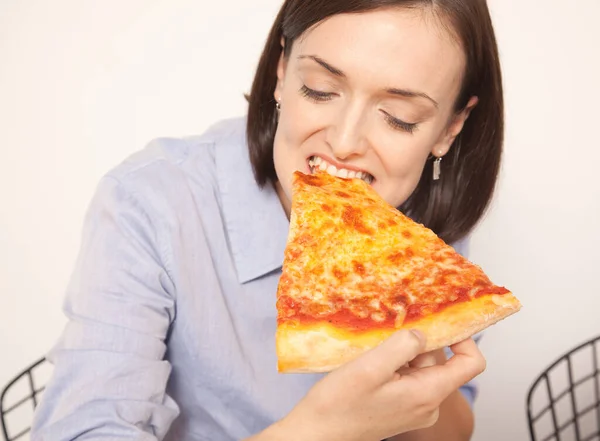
(281, 68)
(454, 128)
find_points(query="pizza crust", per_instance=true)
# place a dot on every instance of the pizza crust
(322, 347)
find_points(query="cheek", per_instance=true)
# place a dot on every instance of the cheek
(300, 120)
(297, 135)
(281, 160)
(404, 168)
(400, 190)
(289, 153)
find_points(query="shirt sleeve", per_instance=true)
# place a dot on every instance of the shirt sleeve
(110, 377)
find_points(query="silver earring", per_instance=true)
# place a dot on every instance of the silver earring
(278, 106)
(437, 168)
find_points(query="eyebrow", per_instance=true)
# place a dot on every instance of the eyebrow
(337, 72)
(412, 94)
(407, 93)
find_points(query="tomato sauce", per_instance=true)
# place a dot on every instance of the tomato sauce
(289, 310)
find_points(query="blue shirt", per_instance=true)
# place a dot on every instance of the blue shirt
(171, 306)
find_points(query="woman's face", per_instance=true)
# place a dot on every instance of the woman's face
(370, 96)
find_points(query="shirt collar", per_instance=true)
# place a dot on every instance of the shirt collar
(256, 223)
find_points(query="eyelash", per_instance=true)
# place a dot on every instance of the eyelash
(399, 124)
(395, 123)
(315, 95)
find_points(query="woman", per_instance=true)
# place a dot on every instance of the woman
(172, 304)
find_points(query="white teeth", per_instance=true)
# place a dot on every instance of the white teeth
(316, 162)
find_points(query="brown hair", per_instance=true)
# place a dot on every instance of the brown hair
(453, 205)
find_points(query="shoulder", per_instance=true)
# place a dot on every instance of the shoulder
(168, 165)
(462, 246)
(167, 189)
(172, 154)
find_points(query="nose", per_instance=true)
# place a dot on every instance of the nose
(347, 133)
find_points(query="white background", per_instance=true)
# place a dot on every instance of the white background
(85, 83)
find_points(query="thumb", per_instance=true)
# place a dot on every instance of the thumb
(394, 352)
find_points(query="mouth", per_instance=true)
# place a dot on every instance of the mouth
(316, 163)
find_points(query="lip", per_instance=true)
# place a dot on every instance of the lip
(338, 165)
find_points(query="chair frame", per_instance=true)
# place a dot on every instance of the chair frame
(544, 377)
(33, 394)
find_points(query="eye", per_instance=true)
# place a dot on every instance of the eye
(316, 95)
(398, 124)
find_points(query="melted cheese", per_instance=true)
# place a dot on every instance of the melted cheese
(351, 252)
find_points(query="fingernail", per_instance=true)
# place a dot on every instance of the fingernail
(418, 334)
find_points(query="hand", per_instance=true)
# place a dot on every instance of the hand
(424, 360)
(386, 391)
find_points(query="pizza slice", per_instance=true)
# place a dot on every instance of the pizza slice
(356, 270)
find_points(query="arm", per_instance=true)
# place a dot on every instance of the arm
(110, 377)
(455, 423)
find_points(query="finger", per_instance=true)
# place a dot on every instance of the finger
(424, 360)
(429, 359)
(395, 352)
(442, 380)
(466, 346)
(403, 371)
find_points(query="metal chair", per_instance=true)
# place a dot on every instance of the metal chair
(563, 403)
(31, 396)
